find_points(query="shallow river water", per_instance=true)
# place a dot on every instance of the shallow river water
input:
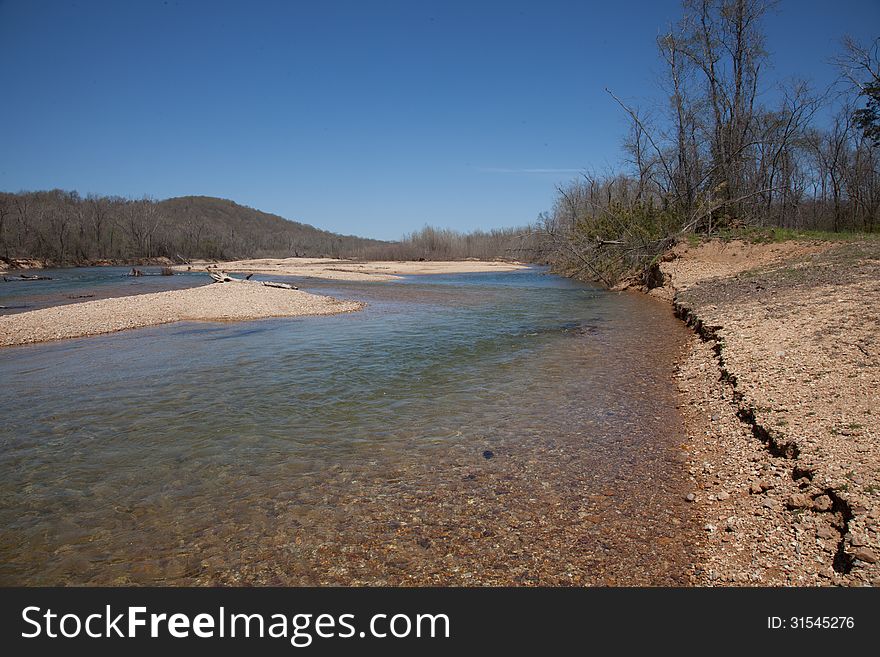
(353, 449)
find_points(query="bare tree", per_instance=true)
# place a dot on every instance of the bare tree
(859, 66)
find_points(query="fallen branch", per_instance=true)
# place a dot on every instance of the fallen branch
(223, 277)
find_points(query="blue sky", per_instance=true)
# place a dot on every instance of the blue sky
(372, 118)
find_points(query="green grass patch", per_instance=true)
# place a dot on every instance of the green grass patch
(772, 235)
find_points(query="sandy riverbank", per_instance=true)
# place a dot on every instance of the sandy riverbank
(214, 302)
(780, 389)
(350, 270)
(222, 302)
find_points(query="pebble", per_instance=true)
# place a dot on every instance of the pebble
(799, 501)
(826, 533)
(690, 497)
(864, 554)
(488, 454)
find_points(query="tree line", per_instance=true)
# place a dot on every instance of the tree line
(432, 243)
(61, 227)
(722, 155)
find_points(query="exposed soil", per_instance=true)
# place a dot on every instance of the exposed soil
(34, 263)
(781, 393)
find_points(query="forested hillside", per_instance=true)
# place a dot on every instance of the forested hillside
(64, 228)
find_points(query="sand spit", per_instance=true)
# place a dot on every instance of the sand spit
(781, 393)
(214, 302)
(351, 270)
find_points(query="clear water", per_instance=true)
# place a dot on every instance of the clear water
(350, 449)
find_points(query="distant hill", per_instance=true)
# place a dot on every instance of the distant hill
(61, 227)
(251, 232)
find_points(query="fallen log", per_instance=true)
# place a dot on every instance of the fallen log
(283, 286)
(223, 277)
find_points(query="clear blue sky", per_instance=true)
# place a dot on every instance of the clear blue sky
(372, 118)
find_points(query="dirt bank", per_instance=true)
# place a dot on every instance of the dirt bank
(780, 389)
(33, 263)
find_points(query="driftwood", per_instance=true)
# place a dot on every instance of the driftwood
(283, 286)
(223, 277)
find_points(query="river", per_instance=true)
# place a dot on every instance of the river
(514, 428)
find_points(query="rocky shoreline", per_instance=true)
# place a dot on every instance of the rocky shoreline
(355, 270)
(211, 303)
(323, 268)
(779, 391)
